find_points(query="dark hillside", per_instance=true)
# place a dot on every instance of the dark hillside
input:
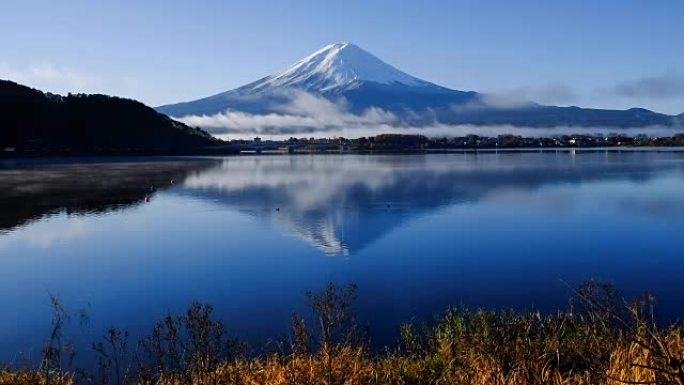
(37, 123)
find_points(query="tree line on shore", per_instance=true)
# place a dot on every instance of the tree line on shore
(407, 142)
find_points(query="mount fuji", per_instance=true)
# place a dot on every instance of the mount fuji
(342, 84)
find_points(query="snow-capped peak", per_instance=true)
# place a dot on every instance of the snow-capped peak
(339, 66)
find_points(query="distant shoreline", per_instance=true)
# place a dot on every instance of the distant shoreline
(381, 144)
(27, 160)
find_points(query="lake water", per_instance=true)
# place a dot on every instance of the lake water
(125, 242)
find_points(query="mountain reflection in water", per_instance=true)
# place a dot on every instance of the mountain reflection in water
(341, 204)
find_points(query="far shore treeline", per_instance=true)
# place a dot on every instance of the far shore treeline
(404, 142)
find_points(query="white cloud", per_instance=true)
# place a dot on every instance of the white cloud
(500, 101)
(304, 112)
(62, 80)
(666, 86)
(47, 76)
(547, 94)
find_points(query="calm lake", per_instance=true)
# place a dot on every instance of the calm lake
(125, 242)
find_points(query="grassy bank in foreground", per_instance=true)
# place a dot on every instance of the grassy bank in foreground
(599, 339)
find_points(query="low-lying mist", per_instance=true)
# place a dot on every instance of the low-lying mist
(310, 115)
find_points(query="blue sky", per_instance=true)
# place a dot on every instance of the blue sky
(612, 54)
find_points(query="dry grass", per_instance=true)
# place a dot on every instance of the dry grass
(598, 340)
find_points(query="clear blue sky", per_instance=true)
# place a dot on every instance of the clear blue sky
(605, 53)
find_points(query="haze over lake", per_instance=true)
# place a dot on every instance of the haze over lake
(125, 242)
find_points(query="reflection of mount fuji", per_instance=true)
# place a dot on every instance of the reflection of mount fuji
(341, 204)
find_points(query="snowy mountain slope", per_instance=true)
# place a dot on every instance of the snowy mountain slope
(337, 68)
(358, 81)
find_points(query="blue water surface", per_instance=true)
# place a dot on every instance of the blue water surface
(250, 234)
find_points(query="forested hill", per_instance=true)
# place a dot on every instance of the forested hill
(37, 123)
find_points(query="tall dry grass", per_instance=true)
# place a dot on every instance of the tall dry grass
(599, 339)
